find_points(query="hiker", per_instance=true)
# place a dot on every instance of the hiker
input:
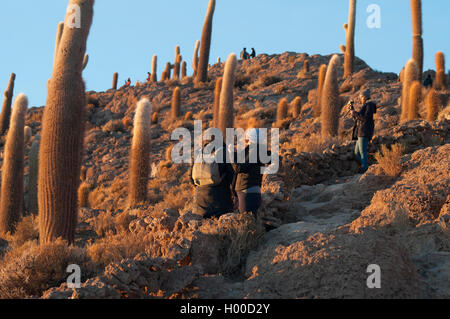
(253, 54)
(128, 82)
(428, 83)
(212, 182)
(365, 128)
(244, 54)
(149, 77)
(248, 177)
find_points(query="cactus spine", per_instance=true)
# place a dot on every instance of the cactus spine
(440, 82)
(216, 109)
(330, 102)
(115, 80)
(226, 109)
(140, 153)
(154, 76)
(350, 37)
(12, 171)
(415, 96)
(6, 109)
(62, 134)
(416, 10)
(322, 75)
(176, 97)
(433, 104)
(33, 176)
(202, 71)
(195, 57)
(410, 74)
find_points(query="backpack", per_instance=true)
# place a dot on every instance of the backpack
(206, 174)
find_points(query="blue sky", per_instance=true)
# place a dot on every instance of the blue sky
(126, 34)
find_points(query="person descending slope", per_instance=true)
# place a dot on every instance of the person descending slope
(366, 127)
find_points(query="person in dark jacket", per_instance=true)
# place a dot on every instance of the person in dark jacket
(214, 201)
(253, 54)
(366, 128)
(248, 178)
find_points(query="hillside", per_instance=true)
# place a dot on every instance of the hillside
(322, 223)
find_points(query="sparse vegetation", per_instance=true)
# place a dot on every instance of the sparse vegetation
(390, 160)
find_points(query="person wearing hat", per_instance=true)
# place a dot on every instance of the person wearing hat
(366, 127)
(248, 176)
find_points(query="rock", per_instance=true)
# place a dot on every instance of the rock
(331, 266)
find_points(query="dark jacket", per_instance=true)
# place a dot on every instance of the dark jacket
(248, 174)
(366, 125)
(212, 201)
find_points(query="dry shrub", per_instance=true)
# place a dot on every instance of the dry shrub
(178, 196)
(253, 69)
(127, 122)
(26, 230)
(113, 126)
(122, 221)
(239, 233)
(314, 143)
(116, 247)
(32, 269)
(390, 160)
(263, 81)
(104, 224)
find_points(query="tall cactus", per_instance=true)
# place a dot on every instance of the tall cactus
(115, 80)
(226, 109)
(321, 81)
(350, 37)
(296, 105)
(415, 96)
(177, 67)
(12, 171)
(140, 153)
(410, 74)
(32, 206)
(216, 109)
(416, 12)
(440, 82)
(202, 71)
(154, 77)
(6, 109)
(63, 132)
(183, 69)
(330, 102)
(176, 97)
(433, 104)
(282, 111)
(195, 58)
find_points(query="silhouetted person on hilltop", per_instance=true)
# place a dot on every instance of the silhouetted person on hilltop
(428, 83)
(149, 77)
(128, 82)
(244, 54)
(253, 54)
